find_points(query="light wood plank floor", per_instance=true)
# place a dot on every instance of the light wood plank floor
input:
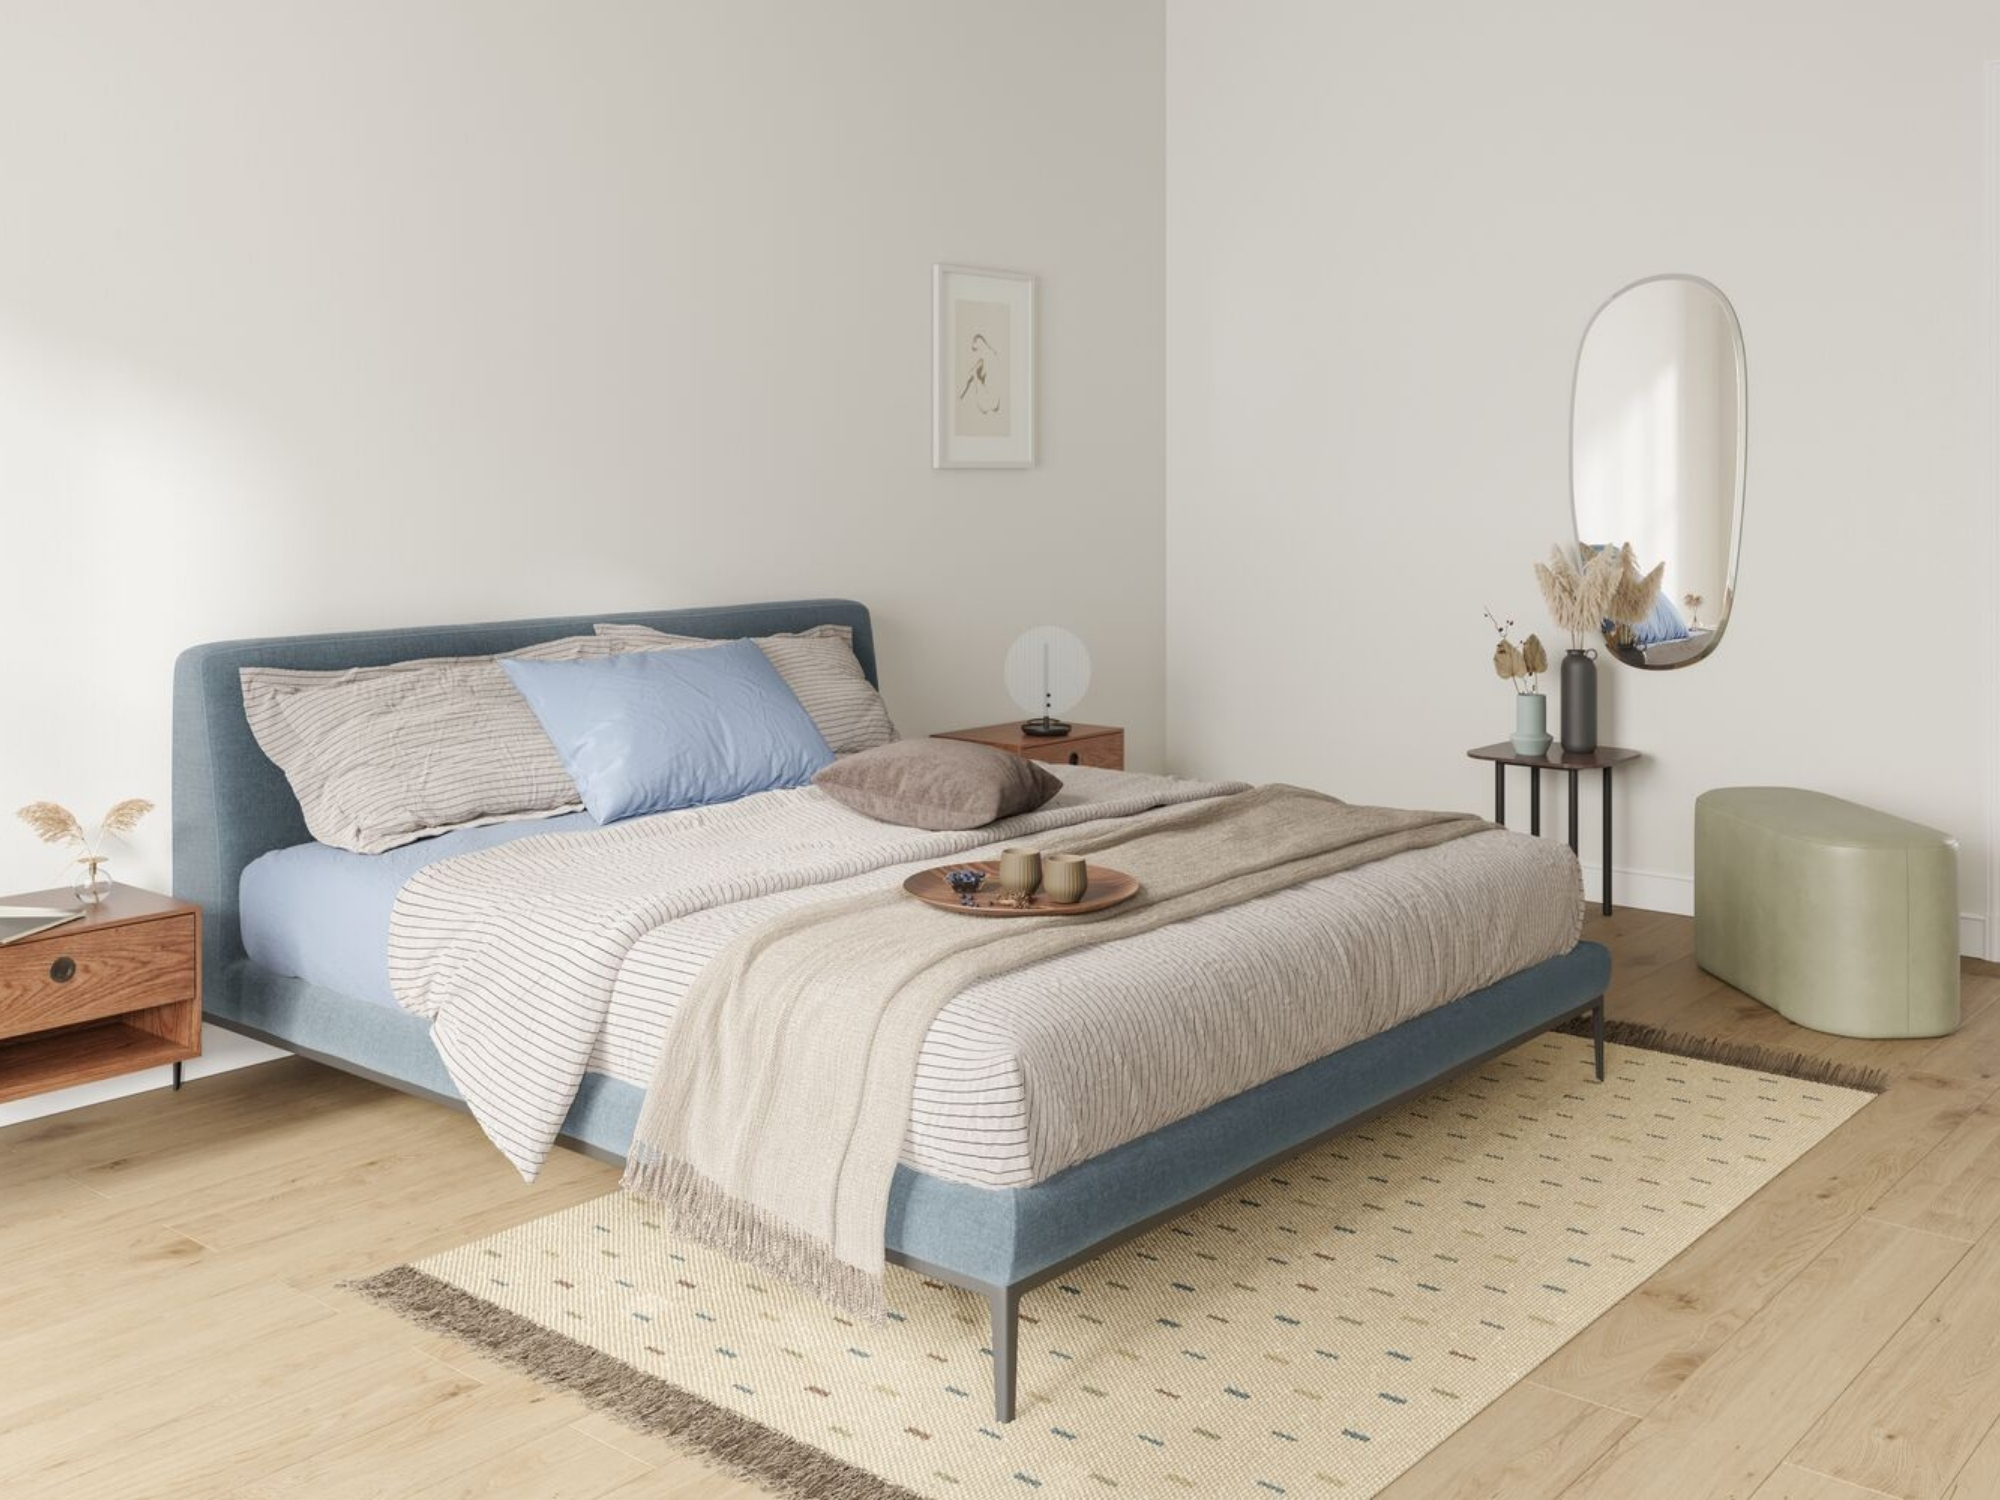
(171, 1323)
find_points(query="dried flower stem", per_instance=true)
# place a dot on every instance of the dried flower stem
(1522, 664)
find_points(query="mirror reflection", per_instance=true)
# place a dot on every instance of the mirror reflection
(1657, 456)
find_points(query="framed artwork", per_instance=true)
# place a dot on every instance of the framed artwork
(983, 368)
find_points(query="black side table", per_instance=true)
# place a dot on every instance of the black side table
(1603, 758)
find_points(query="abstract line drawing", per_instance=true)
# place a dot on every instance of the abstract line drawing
(983, 347)
(983, 392)
(983, 368)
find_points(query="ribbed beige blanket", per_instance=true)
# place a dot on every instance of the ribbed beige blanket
(773, 1123)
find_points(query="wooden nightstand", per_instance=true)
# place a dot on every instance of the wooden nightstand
(114, 992)
(1084, 745)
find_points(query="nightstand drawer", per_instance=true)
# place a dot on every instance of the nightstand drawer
(1103, 750)
(61, 979)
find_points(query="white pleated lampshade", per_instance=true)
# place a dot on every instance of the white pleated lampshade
(1048, 670)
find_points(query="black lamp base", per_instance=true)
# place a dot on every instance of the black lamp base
(1045, 728)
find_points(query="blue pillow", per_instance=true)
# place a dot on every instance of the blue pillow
(650, 731)
(1664, 624)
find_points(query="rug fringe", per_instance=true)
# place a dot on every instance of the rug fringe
(1754, 1056)
(747, 1449)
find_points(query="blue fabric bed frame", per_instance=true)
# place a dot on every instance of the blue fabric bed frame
(232, 804)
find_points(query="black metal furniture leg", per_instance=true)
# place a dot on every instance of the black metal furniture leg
(1607, 841)
(1597, 1034)
(177, 1077)
(1006, 1304)
(1535, 800)
(1572, 812)
(1500, 792)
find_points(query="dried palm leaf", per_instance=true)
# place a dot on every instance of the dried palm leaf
(1507, 661)
(1535, 655)
(125, 816)
(53, 823)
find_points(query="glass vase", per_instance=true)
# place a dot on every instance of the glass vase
(92, 884)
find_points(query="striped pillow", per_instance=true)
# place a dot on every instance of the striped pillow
(818, 665)
(383, 756)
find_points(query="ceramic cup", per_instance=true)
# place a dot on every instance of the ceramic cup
(1020, 871)
(1065, 877)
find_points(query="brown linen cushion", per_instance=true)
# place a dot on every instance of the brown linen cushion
(937, 784)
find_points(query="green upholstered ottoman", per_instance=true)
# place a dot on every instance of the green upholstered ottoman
(1836, 916)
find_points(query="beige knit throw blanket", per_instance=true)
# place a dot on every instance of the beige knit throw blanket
(772, 1127)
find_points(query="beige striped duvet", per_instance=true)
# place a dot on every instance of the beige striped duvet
(1020, 1076)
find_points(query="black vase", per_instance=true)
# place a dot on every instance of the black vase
(1579, 707)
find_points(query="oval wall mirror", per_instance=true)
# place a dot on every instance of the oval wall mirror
(1658, 425)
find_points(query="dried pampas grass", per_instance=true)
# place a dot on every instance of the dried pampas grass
(124, 816)
(55, 824)
(52, 823)
(1579, 597)
(1633, 599)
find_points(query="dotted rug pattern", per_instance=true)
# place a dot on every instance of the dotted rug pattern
(1315, 1333)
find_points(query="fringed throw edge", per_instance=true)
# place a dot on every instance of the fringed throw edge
(693, 1206)
(747, 1449)
(1754, 1056)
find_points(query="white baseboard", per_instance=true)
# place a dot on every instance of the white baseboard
(1649, 890)
(221, 1052)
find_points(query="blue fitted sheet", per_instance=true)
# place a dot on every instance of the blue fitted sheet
(322, 914)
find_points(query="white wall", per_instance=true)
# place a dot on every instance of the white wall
(1386, 228)
(384, 313)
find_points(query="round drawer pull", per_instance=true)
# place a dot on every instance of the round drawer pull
(63, 970)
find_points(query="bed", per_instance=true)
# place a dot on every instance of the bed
(991, 1195)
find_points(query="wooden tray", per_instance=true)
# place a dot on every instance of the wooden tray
(1106, 888)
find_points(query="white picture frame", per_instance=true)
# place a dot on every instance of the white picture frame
(982, 368)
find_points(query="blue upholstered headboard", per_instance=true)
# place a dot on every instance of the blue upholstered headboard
(231, 803)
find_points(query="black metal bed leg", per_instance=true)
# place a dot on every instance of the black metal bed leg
(1597, 1035)
(177, 1077)
(1006, 1304)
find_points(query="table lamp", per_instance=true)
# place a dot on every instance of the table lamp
(1048, 669)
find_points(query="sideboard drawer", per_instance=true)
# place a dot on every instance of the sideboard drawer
(60, 980)
(1103, 750)
(1107, 751)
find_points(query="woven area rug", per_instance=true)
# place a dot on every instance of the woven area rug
(1313, 1334)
